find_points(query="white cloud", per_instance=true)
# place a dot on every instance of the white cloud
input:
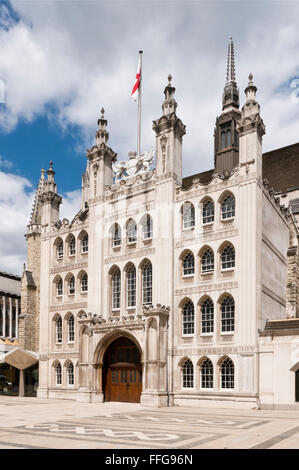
(78, 56)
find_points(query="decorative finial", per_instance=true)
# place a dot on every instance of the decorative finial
(42, 174)
(102, 113)
(24, 267)
(51, 164)
(250, 77)
(169, 79)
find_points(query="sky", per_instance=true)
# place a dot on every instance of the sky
(61, 61)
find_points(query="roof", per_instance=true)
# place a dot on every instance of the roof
(281, 168)
(10, 276)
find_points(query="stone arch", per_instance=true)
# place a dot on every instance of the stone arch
(105, 342)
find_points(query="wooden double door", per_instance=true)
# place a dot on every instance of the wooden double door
(122, 374)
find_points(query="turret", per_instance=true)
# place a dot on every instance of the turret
(169, 131)
(251, 130)
(226, 142)
(100, 158)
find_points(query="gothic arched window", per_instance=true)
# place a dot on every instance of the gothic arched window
(116, 289)
(147, 283)
(132, 231)
(187, 374)
(207, 261)
(58, 374)
(71, 285)
(84, 283)
(116, 235)
(228, 257)
(208, 212)
(206, 374)
(228, 314)
(59, 290)
(228, 207)
(85, 244)
(72, 246)
(58, 325)
(71, 329)
(188, 318)
(207, 316)
(60, 249)
(227, 372)
(131, 286)
(188, 215)
(188, 264)
(70, 374)
(147, 227)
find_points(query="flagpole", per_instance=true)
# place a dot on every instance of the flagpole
(139, 108)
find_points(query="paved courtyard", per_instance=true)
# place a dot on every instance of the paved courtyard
(60, 424)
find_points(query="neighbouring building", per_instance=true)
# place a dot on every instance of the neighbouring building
(18, 367)
(170, 290)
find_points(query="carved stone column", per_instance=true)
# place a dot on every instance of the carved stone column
(155, 392)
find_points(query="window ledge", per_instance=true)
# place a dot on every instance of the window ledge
(116, 247)
(205, 224)
(206, 334)
(191, 335)
(71, 342)
(84, 252)
(72, 256)
(225, 270)
(131, 243)
(187, 276)
(229, 219)
(204, 273)
(188, 229)
(227, 333)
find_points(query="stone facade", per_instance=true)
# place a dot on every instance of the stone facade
(189, 270)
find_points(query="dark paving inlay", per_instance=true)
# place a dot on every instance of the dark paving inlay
(274, 440)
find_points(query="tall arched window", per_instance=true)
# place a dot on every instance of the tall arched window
(71, 329)
(116, 235)
(207, 261)
(60, 249)
(206, 374)
(132, 231)
(207, 316)
(187, 374)
(208, 212)
(188, 264)
(59, 287)
(188, 215)
(71, 285)
(84, 283)
(147, 283)
(70, 374)
(228, 207)
(147, 227)
(58, 325)
(228, 314)
(131, 286)
(227, 372)
(188, 318)
(58, 374)
(228, 257)
(116, 289)
(72, 246)
(84, 246)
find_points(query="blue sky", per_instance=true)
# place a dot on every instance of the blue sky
(61, 61)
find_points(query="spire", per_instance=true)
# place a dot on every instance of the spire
(230, 71)
(230, 97)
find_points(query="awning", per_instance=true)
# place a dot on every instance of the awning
(20, 358)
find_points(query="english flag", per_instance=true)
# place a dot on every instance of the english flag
(136, 86)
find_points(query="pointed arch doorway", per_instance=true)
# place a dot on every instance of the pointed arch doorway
(122, 372)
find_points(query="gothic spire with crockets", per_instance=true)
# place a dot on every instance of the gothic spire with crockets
(230, 97)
